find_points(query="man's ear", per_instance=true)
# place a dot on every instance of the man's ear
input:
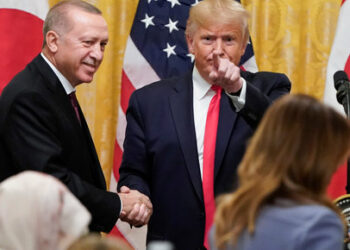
(51, 41)
(189, 41)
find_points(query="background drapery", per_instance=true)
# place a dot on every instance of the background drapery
(292, 37)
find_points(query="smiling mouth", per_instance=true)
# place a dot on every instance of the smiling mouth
(90, 66)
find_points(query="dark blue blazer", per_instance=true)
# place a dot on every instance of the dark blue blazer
(160, 150)
(39, 131)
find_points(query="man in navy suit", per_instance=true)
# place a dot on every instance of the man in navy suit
(41, 124)
(165, 137)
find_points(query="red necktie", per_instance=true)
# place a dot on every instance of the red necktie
(74, 101)
(211, 127)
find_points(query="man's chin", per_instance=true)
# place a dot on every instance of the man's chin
(87, 78)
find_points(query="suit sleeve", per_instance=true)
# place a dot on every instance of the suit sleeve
(325, 231)
(259, 99)
(135, 168)
(32, 137)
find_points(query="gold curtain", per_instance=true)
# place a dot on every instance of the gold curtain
(289, 36)
(294, 37)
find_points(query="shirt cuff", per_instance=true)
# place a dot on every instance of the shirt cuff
(238, 101)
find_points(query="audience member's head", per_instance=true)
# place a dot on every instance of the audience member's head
(96, 242)
(293, 154)
(38, 212)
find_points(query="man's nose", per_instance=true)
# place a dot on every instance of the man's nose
(97, 52)
(218, 48)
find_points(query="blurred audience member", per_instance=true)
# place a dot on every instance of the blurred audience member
(96, 242)
(281, 202)
(38, 212)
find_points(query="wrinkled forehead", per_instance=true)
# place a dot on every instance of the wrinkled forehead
(80, 20)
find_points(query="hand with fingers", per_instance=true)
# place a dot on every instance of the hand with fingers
(226, 74)
(137, 207)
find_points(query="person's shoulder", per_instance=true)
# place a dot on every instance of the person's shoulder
(304, 211)
(165, 85)
(319, 214)
(322, 229)
(263, 75)
(24, 81)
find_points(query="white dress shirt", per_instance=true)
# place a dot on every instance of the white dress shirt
(202, 95)
(65, 83)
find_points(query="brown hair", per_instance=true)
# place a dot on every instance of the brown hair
(57, 20)
(209, 12)
(293, 154)
(94, 241)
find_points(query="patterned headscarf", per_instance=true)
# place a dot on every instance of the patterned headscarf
(37, 212)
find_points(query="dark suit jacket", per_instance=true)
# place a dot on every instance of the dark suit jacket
(39, 131)
(160, 151)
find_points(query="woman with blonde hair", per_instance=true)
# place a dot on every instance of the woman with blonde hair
(281, 202)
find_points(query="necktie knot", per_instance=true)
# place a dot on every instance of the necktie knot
(216, 88)
(73, 97)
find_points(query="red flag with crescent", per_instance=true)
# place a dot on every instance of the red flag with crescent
(21, 24)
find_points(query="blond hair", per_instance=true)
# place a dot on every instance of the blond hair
(94, 241)
(293, 154)
(208, 12)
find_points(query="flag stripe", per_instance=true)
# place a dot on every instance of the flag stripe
(118, 153)
(115, 232)
(135, 66)
(121, 127)
(127, 88)
(347, 66)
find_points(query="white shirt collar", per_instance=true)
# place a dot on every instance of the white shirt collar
(200, 86)
(65, 83)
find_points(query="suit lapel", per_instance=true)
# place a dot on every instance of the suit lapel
(227, 119)
(62, 99)
(98, 174)
(54, 85)
(181, 103)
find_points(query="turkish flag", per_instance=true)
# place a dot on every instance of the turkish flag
(21, 24)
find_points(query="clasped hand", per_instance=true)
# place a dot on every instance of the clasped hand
(137, 207)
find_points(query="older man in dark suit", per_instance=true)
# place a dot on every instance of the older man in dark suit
(185, 136)
(42, 126)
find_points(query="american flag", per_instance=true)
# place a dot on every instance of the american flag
(156, 49)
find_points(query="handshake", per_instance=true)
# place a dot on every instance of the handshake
(137, 207)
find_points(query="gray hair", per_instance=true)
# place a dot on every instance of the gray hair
(57, 20)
